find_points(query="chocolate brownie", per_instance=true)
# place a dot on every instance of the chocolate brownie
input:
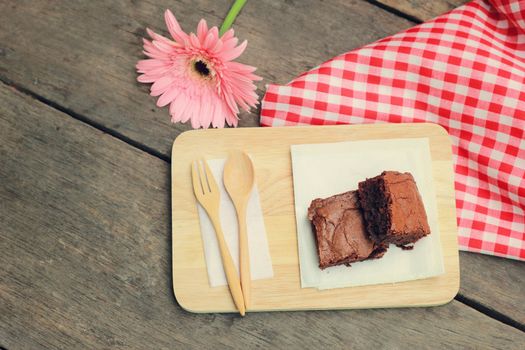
(393, 209)
(340, 231)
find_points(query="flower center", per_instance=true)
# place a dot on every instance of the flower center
(202, 68)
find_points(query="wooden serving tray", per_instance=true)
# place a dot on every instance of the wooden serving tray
(269, 149)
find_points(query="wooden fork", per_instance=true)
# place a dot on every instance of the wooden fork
(207, 193)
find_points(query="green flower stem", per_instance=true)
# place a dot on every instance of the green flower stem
(232, 14)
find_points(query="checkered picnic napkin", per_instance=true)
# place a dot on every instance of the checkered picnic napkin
(464, 70)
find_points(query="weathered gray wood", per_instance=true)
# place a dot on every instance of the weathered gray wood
(423, 9)
(497, 283)
(82, 54)
(84, 236)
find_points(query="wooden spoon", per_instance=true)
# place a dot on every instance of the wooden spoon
(238, 179)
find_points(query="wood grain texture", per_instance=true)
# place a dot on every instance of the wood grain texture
(496, 283)
(269, 149)
(82, 54)
(85, 248)
(423, 10)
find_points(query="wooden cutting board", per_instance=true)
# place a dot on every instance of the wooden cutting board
(269, 149)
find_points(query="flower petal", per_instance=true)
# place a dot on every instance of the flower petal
(174, 28)
(232, 119)
(229, 44)
(212, 37)
(156, 72)
(233, 53)
(159, 37)
(168, 96)
(239, 67)
(212, 45)
(178, 106)
(206, 108)
(152, 51)
(150, 64)
(230, 101)
(195, 41)
(195, 117)
(162, 84)
(143, 78)
(202, 30)
(174, 116)
(186, 112)
(228, 35)
(240, 101)
(216, 115)
(163, 47)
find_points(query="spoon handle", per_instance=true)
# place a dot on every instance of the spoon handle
(244, 255)
(229, 268)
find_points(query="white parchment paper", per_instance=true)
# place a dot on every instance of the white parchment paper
(322, 170)
(260, 259)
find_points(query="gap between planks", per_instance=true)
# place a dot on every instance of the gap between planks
(394, 11)
(85, 120)
(490, 312)
(81, 118)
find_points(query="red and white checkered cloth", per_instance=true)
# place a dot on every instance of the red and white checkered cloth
(464, 70)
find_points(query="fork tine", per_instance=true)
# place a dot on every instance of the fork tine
(211, 179)
(197, 187)
(202, 176)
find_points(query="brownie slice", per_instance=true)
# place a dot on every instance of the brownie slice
(340, 231)
(393, 209)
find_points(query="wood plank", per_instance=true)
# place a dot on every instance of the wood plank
(82, 54)
(423, 10)
(495, 283)
(66, 53)
(270, 151)
(86, 250)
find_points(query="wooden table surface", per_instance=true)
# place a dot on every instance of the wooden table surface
(85, 195)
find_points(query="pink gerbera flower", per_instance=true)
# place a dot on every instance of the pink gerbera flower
(196, 75)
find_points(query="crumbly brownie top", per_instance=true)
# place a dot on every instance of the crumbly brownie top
(407, 209)
(340, 230)
(393, 208)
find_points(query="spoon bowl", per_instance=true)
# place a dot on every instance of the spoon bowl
(238, 175)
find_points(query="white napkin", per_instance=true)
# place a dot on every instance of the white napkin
(322, 170)
(260, 260)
